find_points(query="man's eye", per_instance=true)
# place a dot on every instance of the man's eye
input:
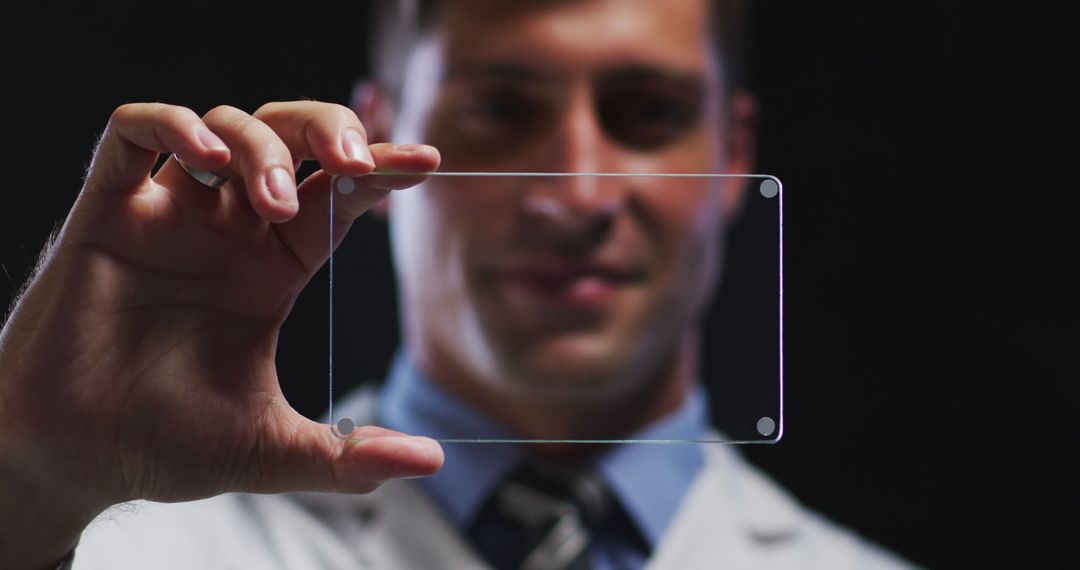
(493, 115)
(487, 120)
(646, 121)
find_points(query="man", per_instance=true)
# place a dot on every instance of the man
(140, 362)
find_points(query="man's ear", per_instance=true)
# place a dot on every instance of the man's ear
(742, 126)
(375, 109)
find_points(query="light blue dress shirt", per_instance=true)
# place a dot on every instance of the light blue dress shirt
(649, 480)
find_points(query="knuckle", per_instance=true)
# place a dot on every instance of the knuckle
(342, 112)
(129, 112)
(268, 109)
(249, 127)
(346, 116)
(121, 113)
(156, 115)
(261, 138)
(254, 136)
(264, 147)
(176, 115)
(220, 112)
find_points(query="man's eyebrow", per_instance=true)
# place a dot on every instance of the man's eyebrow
(653, 73)
(530, 74)
(510, 71)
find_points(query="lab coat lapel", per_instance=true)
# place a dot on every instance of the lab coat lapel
(731, 517)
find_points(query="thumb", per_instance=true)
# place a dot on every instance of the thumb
(298, 454)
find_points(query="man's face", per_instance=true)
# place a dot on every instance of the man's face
(562, 288)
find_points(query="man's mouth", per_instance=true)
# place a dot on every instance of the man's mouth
(567, 283)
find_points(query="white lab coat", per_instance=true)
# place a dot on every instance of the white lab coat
(733, 516)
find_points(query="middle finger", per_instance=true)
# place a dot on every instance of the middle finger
(329, 133)
(261, 159)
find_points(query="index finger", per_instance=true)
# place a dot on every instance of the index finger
(306, 234)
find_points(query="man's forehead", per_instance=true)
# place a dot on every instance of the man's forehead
(592, 33)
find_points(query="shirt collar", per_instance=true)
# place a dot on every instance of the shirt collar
(649, 480)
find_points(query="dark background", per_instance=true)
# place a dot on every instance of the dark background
(931, 336)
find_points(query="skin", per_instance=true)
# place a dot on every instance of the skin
(550, 364)
(139, 364)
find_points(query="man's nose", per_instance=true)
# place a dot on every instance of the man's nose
(577, 144)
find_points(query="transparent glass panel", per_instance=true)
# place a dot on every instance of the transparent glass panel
(567, 307)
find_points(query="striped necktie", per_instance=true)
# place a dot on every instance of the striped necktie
(542, 517)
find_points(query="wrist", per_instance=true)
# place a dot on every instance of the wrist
(41, 515)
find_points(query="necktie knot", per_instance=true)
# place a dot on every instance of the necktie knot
(543, 490)
(543, 516)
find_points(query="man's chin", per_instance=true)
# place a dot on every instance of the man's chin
(571, 367)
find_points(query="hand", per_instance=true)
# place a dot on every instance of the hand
(140, 361)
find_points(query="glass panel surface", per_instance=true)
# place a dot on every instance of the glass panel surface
(568, 307)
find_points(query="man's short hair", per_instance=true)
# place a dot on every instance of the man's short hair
(396, 26)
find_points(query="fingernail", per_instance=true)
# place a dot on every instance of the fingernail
(209, 140)
(408, 147)
(281, 185)
(355, 147)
